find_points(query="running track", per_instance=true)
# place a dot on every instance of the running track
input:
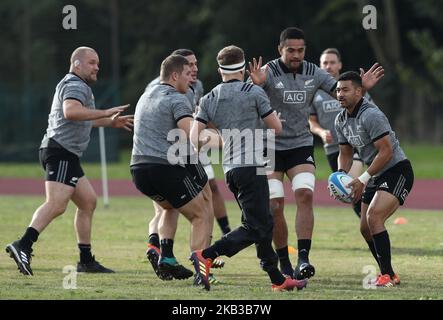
(426, 194)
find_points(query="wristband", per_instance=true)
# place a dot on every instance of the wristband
(342, 170)
(364, 178)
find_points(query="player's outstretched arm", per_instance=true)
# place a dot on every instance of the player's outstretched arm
(257, 74)
(116, 121)
(372, 76)
(73, 110)
(121, 122)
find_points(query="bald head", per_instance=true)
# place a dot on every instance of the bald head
(84, 63)
(80, 53)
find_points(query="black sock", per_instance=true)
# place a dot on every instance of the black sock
(283, 253)
(285, 263)
(371, 246)
(224, 225)
(85, 253)
(383, 247)
(154, 240)
(29, 237)
(210, 252)
(304, 246)
(166, 247)
(276, 277)
(219, 248)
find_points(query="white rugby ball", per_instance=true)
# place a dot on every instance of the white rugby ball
(337, 183)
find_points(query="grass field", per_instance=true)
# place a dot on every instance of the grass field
(338, 253)
(426, 161)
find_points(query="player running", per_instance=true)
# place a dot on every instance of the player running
(235, 108)
(388, 180)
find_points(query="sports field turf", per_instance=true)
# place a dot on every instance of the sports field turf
(119, 233)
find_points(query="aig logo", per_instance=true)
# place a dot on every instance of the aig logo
(294, 97)
(331, 106)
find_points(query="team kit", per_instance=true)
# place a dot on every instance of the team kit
(264, 118)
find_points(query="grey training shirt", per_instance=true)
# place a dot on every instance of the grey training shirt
(72, 135)
(325, 107)
(235, 108)
(156, 114)
(291, 94)
(362, 128)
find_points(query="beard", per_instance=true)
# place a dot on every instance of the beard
(343, 104)
(91, 79)
(294, 65)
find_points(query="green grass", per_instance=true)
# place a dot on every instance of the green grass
(426, 161)
(119, 233)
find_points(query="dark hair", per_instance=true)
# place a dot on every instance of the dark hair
(172, 63)
(291, 33)
(351, 76)
(183, 52)
(230, 55)
(332, 51)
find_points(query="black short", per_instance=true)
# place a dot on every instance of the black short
(162, 182)
(61, 166)
(198, 173)
(333, 160)
(288, 159)
(397, 180)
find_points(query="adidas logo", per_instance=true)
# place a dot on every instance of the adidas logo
(279, 85)
(310, 159)
(384, 185)
(24, 258)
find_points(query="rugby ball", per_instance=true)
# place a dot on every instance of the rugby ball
(337, 183)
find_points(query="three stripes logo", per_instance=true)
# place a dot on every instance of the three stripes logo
(310, 159)
(24, 257)
(279, 85)
(384, 185)
(62, 171)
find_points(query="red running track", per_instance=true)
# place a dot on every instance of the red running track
(426, 194)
